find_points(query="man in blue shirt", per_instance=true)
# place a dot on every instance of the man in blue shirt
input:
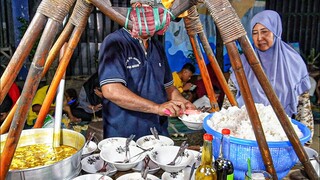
(137, 86)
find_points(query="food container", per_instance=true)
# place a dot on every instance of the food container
(64, 169)
(282, 152)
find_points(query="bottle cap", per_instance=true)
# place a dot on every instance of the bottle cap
(225, 131)
(207, 137)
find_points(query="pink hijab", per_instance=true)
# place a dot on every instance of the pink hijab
(283, 66)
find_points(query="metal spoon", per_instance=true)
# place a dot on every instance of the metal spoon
(89, 139)
(183, 146)
(193, 167)
(316, 158)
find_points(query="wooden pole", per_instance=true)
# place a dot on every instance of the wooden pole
(204, 73)
(7, 122)
(57, 46)
(250, 106)
(78, 18)
(231, 29)
(64, 62)
(193, 27)
(31, 35)
(28, 92)
(217, 70)
(277, 107)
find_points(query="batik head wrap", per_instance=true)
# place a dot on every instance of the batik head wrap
(282, 64)
(148, 20)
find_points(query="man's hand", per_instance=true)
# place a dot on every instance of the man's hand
(174, 108)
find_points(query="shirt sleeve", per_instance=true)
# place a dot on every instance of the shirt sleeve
(112, 62)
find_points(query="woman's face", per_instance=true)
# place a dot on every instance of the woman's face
(262, 37)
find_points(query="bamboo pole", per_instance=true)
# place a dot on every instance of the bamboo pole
(217, 70)
(105, 7)
(31, 35)
(204, 73)
(58, 76)
(57, 46)
(79, 18)
(28, 92)
(250, 106)
(195, 24)
(7, 122)
(193, 27)
(277, 107)
(231, 29)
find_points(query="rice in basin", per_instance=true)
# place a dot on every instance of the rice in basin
(243, 144)
(237, 120)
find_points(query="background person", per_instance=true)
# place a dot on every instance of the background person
(36, 106)
(283, 66)
(181, 78)
(5, 108)
(90, 96)
(71, 107)
(136, 81)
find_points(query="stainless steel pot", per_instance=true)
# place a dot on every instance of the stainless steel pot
(64, 169)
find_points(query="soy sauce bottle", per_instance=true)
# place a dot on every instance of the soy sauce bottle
(223, 165)
(206, 170)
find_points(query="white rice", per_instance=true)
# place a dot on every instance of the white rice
(237, 120)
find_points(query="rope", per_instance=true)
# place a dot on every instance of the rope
(192, 22)
(226, 20)
(55, 9)
(81, 9)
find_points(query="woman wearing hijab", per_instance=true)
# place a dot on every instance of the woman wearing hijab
(283, 66)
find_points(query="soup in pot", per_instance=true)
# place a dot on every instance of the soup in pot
(37, 155)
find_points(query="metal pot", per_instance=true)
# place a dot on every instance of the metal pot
(64, 169)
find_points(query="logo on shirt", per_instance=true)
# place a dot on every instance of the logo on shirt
(132, 62)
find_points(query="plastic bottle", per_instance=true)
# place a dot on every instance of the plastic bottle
(223, 165)
(206, 170)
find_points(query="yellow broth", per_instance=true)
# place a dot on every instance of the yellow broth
(37, 155)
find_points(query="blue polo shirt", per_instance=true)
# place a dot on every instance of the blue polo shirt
(147, 74)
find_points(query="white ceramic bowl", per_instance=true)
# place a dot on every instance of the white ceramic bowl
(113, 154)
(181, 175)
(92, 177)
(93, 163)
(136, 176)
(163, 155)
(150, 141)
(311, 152)
(114, 141)
(316, 166)
(92, 146)
(193, 121)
